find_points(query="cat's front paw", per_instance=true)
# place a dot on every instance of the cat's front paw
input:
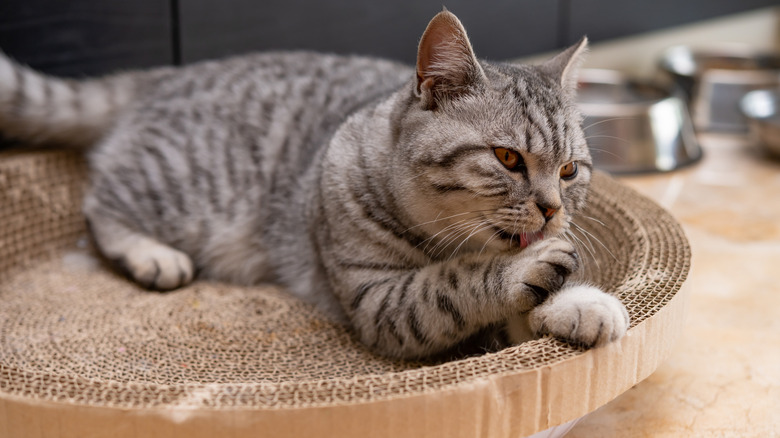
(543, 269)
(582, 315)
(157, 266)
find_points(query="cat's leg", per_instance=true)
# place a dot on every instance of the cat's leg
(580, 314)
(150, 263)
(423, 311)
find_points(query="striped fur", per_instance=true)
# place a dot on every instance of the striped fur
(361, 185)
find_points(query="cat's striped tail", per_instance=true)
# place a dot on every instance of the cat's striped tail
(40, 109)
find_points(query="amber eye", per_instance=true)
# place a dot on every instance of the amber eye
(569, 170)
(510, 159)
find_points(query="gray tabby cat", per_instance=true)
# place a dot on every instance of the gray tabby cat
(423, 206)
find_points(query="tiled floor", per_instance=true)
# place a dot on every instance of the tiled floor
(723, 380)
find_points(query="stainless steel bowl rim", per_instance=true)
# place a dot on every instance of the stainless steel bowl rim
(622, 109)
(724, 50)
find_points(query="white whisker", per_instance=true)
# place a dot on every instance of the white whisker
(590, 246)
(452, 228)
(438, 219)
(625, 142)
(594, 220)
(488, 241)
(475, 231)
(576, 241)
(452, 237)
(455, 235)
(514, 231)
(604, 151)
(587, 233)
(604, 121)
(567, 236)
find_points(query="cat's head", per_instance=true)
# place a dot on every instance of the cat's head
(490, 156)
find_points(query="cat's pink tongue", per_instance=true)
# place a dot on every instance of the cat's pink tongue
(529, 238)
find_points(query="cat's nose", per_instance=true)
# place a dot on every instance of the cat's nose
(547, 211)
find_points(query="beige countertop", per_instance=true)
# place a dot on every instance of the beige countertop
(723, 378)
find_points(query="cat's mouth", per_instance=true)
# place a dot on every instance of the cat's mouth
(522, 239)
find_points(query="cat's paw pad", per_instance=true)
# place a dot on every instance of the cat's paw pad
(156, 266)
(582, 315)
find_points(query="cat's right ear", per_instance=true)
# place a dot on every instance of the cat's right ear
(565, 66)
(446, 65)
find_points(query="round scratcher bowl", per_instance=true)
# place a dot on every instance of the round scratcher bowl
(83, 352)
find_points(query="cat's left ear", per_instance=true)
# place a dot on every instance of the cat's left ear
(565, 66)
(446, 65)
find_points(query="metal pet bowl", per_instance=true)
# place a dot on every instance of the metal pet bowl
(715, 79)
(634, 127)
(762, 110)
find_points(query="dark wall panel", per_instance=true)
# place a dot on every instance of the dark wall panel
(86, 37)
(604, 19)
(498, 29)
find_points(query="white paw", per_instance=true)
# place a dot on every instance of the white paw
(156, 266)
(582, 315)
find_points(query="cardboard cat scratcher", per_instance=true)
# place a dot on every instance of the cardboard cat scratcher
(84, 352)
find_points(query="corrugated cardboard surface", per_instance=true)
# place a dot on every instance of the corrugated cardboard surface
(503, 406)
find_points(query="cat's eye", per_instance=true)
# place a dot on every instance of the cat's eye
(569, 170)
(509, 158)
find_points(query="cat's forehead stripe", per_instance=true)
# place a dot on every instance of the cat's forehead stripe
(545, 114)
